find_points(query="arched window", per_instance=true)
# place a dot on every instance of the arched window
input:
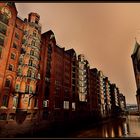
(5, 101)
(3, 116)
(7, 83)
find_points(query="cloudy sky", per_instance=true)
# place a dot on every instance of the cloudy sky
(104, 32)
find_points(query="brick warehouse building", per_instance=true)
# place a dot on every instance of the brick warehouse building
(42, 82)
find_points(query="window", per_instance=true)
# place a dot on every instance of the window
(27, 88)
(5, 101)
(33, 75)
(13, 56)
(19, 71)
(4, 18)
(11, 116)
(73, 106)
(66, 104)
(34, 34)
(3, 29)
(30, 90)
(29, 73)
(30, 62)
(16, 36)
(31, 52)
(0, 52)
(15, 101)
(7, 83)
(33, 43)
(1, 40)
(11, 67)
(35, 103)
(17, 87)
(15, 45)
(57, 103)
(20, 60)
(3, 116)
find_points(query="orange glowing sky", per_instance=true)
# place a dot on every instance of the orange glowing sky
(104, 32)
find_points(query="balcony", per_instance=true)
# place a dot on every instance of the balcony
(34, 56)
(35, 47)
(32, 66)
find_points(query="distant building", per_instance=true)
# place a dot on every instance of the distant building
(114, 92)
(136, 65)
(122, 102)
(107, 96)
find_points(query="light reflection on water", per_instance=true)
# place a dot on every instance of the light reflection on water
(129, 127)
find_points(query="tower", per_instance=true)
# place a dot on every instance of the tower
(28, 73)
(136, 66)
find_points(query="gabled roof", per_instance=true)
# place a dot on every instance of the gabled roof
(71, 51)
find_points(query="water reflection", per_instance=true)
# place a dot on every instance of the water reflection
(129, 127)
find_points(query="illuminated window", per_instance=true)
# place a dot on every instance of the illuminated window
(19, 71)
(15, 101)
(11, 67)
(7, 83)
(5, 101)
(27, 88)
(66, 104)
(73, 106)
(30, 90)
(13, 56)
(17, 87)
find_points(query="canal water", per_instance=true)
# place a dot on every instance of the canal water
(114, 128)
(128, 127)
